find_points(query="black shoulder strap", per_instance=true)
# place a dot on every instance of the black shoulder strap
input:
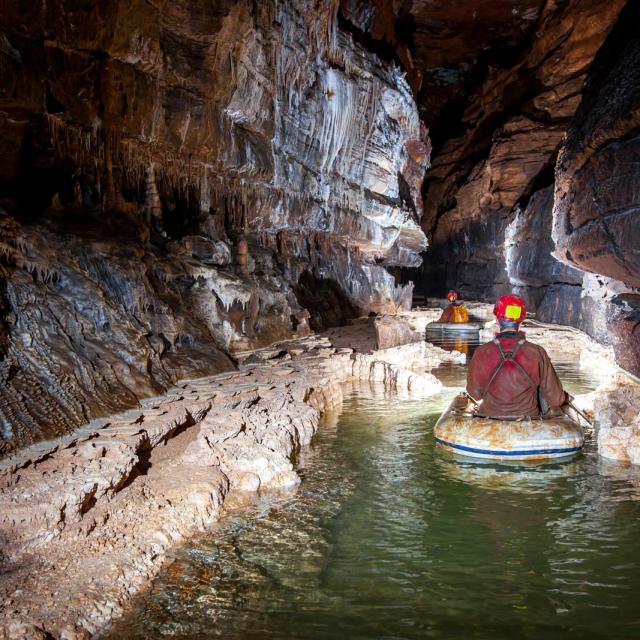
(511, 357)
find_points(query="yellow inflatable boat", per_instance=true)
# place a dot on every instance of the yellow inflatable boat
(464, 433)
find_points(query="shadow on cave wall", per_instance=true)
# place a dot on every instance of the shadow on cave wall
(582, 203)
(326, 301)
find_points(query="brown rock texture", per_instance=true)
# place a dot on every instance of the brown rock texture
(500, 220)
(596, 215)
(597, 204)
(515, 121)
(87, 519)
(181, 180)
(266, 118)
(443, 45)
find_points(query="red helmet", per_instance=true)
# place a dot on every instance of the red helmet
(452, 296)
(510, 307)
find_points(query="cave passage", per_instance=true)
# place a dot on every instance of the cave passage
(181, 184)
(216, 213)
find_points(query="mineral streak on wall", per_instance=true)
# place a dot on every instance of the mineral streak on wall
(181, 180)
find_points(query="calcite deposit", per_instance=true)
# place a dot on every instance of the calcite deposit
(183, 180)
(191, 190)
(616, 407)
(87, 519)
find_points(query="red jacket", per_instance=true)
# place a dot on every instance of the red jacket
(511, 393)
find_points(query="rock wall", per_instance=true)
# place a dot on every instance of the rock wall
(515, 120)
(182, 180)
(500, 219)
(596, 217)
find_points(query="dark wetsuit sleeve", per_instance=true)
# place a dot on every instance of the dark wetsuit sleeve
(473, 382)
(550, 384)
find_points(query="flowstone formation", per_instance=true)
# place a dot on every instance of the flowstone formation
(181, 181)
(86, 520)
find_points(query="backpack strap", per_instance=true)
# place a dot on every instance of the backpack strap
(508, 356)
(512, 358)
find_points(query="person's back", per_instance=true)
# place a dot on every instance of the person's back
(507, 374)
(456, 312)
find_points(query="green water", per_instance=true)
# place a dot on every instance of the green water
(389, 537)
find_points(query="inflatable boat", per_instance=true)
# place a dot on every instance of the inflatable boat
(456, 327)
(464, 433)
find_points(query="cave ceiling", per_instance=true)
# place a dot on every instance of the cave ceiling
(454, 42)
(446, 47)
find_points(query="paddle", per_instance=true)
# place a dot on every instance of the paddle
(581, 414)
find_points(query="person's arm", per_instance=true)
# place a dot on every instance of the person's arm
(550, 384)
(447, 315)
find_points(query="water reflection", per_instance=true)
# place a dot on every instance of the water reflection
(465, 343)
(527, 477)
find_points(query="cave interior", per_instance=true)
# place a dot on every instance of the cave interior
(183, 181)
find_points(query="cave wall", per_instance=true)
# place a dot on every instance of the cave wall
(513, 126)
(179, 181)
(538, 195)
(596, 215)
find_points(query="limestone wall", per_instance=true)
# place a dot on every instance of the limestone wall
(183, 180)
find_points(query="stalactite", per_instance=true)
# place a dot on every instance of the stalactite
(283, 137)
(152, 203)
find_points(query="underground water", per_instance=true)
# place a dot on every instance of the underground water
(389, 537)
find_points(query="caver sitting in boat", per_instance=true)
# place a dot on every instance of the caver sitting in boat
(456, 312)
(509, 376)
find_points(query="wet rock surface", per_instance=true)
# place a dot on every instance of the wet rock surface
(180, 181)
(510, 205)
(184, 183)
(515, 120)
(618, 419)
(392, 331)
(87, 519)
